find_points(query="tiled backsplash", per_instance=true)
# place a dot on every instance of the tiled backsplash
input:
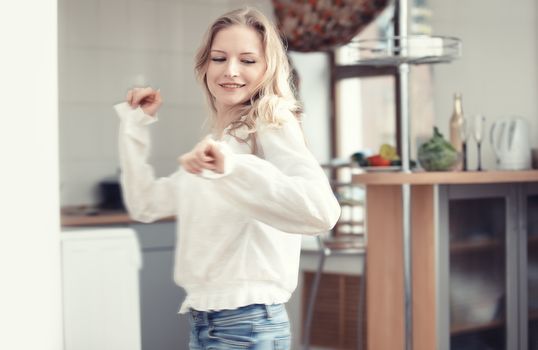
(106, 47)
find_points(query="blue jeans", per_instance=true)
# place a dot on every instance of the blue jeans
(255, 326)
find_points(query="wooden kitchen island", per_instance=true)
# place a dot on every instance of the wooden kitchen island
(436, 198)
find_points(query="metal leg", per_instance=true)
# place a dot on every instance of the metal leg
(312, 299)
(362, 305)
(408, 263)
(402, 7)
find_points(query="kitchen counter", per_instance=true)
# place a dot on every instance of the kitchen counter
(429, 225)
(76, 216)
(454, 177)
(83, 216)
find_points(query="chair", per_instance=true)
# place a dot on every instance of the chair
(340, 242)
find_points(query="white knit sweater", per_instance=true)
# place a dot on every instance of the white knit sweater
(238, 233)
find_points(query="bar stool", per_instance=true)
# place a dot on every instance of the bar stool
(337, 243)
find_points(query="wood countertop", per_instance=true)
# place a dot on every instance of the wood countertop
(75, 216)
(441, 178)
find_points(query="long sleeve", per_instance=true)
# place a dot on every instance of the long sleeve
(147, 198)
(287, 189)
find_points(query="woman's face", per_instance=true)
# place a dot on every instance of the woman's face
(236, 66)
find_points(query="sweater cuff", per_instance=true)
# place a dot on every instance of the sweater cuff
(229, 163)
(135, 121)
(134, 115)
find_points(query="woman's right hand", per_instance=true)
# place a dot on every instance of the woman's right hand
(147, 98)
(205, 155)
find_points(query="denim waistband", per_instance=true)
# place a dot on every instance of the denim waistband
(204, 318)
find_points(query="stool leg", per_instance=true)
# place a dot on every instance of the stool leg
(312, 301)
(362, 305)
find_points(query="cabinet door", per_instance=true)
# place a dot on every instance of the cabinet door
(100, 289)
(160, 297)
(530, 265)
(479, 227)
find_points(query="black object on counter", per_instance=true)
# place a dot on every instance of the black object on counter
(110, 195)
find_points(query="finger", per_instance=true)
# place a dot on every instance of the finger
(219, 169)
(191, 168)
(158, 97)
(185, 160)
(212, 145)
(149, 95)
(219, 159)
(129, 97)
(198, 163)
(134, 98)
(210, 166)
(217, 153)
(147, 101)
(214, 151)
(207, 164)
(204, 157)
(140, 94)
(201, 152)
(195, 165)
(192, 161)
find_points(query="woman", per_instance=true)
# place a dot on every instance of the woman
(244, 194)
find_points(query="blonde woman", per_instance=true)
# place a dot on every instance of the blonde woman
(243, 196)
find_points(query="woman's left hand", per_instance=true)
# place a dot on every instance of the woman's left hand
(205, 155)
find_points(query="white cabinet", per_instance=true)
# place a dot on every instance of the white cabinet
(100, 283)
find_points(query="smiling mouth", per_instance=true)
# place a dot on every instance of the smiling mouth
(232, 86)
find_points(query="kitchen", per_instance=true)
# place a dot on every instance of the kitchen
(88, 125)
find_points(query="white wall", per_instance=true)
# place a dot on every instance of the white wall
(105, 47)
(497, 73)
(313, 69)
(108, 46)
(30, 301)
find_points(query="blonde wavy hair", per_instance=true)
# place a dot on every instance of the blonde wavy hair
(275, 90)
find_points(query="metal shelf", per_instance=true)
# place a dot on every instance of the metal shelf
(394, 55)
(397, 50)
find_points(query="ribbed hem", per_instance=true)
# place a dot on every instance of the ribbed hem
(215, 298)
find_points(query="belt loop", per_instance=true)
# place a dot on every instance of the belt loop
(199, 317)
(269, 311)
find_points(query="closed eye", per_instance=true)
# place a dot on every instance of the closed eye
(223, 59)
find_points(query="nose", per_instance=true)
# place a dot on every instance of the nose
(232, 69)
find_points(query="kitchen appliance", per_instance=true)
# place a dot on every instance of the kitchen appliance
(510, 141)
(110, 194)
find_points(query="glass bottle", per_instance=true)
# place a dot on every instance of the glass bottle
(456, 128)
